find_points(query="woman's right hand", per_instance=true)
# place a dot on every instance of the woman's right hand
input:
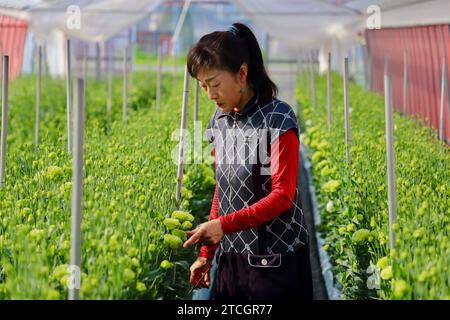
(200, 273)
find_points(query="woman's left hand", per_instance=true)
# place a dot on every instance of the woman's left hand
(208, 233)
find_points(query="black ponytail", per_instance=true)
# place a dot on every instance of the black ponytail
(257, 76)
(228, 50)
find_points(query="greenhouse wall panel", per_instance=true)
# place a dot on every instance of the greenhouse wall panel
(424, 48)
(12, 38)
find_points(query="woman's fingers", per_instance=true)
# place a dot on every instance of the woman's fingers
(206, 279)
(197, 279)
(205, 234)
(199, 274)
(196, 271)
(190, 233)
(194, 238)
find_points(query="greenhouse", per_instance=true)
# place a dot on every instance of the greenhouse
(216, 150)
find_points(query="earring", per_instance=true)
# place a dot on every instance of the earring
(242, 90)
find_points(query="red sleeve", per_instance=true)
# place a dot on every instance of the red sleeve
(209, 251)
(284, 180)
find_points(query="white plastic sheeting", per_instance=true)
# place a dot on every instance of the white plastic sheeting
(402, 13)
(337, 26)
(310, 23)
(328, 25)
(301, 23)
(52, 22)
(89, 20)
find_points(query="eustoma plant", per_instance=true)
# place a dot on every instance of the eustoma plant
(353, 198)
(128, 191)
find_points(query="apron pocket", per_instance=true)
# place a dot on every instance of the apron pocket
(265, 261)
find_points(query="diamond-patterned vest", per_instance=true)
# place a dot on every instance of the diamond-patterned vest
(243, 153)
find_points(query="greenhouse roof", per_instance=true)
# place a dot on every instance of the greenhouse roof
(301, 23)
(309, 23)
(99, 19)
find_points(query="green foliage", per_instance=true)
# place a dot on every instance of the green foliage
(129, 188)
(355, 210)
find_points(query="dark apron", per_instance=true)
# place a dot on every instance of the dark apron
(284, 276)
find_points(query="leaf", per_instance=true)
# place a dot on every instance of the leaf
(184, 264)
(61, 240)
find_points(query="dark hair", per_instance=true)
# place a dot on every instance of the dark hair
(228, 50)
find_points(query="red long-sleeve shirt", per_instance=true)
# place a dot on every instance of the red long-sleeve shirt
(280, 199)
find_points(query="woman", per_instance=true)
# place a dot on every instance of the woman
(256, 222)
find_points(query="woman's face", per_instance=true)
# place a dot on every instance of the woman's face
(223, 87)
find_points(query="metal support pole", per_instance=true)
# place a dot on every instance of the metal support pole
(444, 87)
(329, 91)
(313, 82)
(392, 197)
(405, 81)
(69, 96)
(346, 112)
(196, 101)
(85, 61)
(131, 55)
(110, 93)
(182, 134)
(158, 79)
(38, 95)
(98, 62)
(125, 80)
(77, 192)
(5, 79)
(45, 58)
